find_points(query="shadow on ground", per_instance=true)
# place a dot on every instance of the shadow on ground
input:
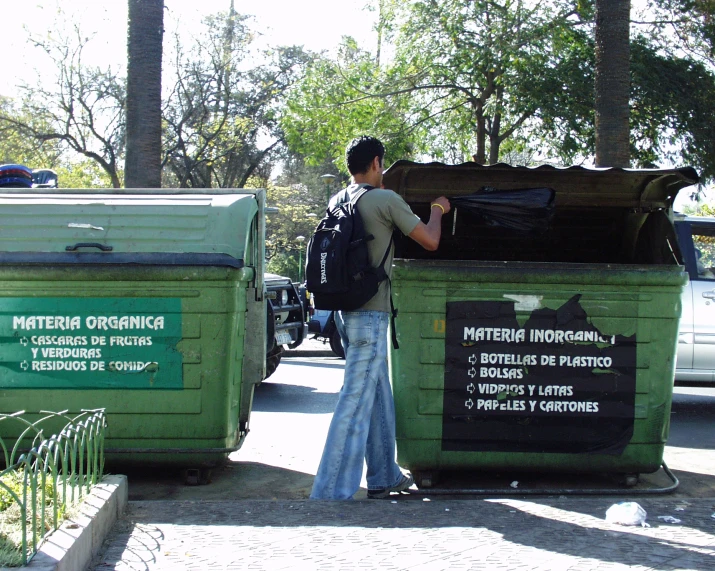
(278, 397)
(232, 481)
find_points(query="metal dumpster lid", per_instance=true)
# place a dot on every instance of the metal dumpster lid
(575, 186)
(59, 220)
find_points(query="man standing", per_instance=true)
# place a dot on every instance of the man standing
(363, 425)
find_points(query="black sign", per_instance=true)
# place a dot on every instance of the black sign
(553, 384)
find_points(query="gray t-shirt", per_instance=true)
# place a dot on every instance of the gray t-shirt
(382, 211)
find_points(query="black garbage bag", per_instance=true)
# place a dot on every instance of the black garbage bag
(527, 210)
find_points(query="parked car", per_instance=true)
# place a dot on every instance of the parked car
(696, 340)
(286, 321)
(44, 178)
(322, 326)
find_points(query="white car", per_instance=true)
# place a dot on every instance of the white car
(696, 340)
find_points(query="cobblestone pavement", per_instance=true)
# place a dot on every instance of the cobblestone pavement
(559, 533)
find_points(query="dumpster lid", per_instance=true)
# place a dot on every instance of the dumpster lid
(112, 224)
(575, 186)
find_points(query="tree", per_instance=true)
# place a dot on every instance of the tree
(672, 103)
(682, 27)
(332, 104)
(80, 111)
(466, 78)
(488, 70)
(221, 119)
(144, 55)
(612, 87)
(297, 215)
(297, 173)
(222, 116)
(16, 148)
(673, 85)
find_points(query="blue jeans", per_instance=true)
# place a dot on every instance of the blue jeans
(363, 425)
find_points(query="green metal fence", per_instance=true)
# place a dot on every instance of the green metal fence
(50, 474)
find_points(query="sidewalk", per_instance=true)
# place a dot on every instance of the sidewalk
(219, 528)
(566, 533)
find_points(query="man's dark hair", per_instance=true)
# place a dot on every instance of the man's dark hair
(361, 151)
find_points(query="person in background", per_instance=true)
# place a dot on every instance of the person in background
(363, 424)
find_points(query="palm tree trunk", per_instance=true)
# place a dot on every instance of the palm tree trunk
(612, 83)
(142, 168)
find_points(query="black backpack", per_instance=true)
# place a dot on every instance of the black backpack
(337, 266)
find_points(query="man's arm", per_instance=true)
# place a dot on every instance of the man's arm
(428, 235)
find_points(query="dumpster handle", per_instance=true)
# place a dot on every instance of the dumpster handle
(89, 245)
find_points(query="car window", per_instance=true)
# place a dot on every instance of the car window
(704, 244)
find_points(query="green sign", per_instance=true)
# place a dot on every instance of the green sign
(89, 343)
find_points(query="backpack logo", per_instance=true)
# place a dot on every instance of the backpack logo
(323, 260)
(325, 243)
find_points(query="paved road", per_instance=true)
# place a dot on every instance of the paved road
(565, 534)
(290, 417)
(255, 514)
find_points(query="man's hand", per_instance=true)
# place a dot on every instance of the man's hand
(443, 202)
(428, 235)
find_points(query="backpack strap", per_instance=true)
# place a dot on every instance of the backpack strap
(393, 315)
(344, 196)
(393, 311)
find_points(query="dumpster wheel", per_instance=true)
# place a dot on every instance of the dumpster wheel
(630, 480)
(197, 476)
(425, 479)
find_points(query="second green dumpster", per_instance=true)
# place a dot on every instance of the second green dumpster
(551, 351)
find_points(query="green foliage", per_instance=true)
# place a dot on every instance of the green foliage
(465, 78)
(221, 118)
(564, 116)
(83, 174)
(16, 147)
(683, 26)
(510, 81)
(286, 264)
(489, 72)
(335, 102)
(283, 249)
(707, 210)
(10, 551)
(79, 111)
(700, 209)
(11, 521)
(671, 114)
(15, 482)
(448, 80)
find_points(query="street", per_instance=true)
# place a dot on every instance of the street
(251, 516)
(290, 417)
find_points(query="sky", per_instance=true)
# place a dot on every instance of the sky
(315, 24)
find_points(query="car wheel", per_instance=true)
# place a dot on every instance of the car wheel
(336, 344)
(273, 359)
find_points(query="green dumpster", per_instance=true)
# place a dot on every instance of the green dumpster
(552, 351)
(149, 305)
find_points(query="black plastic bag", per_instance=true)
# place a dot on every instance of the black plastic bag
(525, 210)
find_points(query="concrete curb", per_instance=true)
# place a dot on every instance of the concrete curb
(308, 353)
(78, 540)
